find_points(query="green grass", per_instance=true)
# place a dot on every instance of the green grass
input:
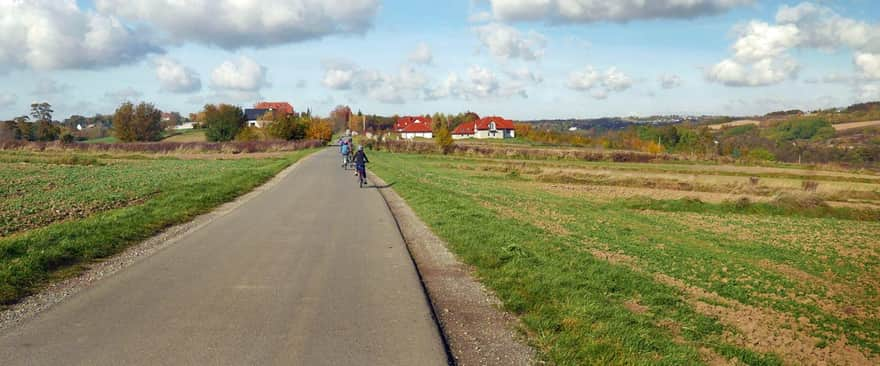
(58, 216)
(102, 140)
(536, 250)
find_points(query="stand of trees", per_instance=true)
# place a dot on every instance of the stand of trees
(137, 123)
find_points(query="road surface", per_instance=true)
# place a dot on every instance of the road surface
(310, 272)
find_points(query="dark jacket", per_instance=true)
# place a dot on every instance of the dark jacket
(360, 158)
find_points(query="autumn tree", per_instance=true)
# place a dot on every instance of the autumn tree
(443, 138)
(319, 129)
(286, 127)
(223, 122)
(340, 117)
(137, 123)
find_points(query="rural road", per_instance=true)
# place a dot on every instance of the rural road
(311, 272)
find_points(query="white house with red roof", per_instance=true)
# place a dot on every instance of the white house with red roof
(415, 127)
(485, 128)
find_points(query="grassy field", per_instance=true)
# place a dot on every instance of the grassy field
(186, 136)
(59, 209)
(625, 263)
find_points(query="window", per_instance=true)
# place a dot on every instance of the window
(492, 126)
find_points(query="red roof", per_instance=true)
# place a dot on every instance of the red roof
(403, 122)
(283, 107)
(420, 125)
(466, 128)
(500, 123)
(469, 128)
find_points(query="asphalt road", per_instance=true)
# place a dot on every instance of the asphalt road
(310, 272)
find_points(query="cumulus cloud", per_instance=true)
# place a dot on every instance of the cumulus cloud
(242, 74)
(422, 54)
(409, 84)
(233, 24)
(57, 34)
(669, 81)
(599, 84)
(7, 100)
(506, 42)
(586, 11)
(761, 51)
(868, 64)
(49, 87)
(176, 78)
(767, 71)
(523, 74)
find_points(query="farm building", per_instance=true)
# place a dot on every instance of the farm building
(485, 128)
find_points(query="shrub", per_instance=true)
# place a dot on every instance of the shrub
(443, 139)
(761, 154)
(249, 134)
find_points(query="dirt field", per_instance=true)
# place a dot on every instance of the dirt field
(854, 125)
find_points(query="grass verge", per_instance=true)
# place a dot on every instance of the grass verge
(29, 259)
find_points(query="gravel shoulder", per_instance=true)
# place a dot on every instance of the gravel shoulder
(476, 330)
(58, 291)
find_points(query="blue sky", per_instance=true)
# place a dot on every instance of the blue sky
(523, 59)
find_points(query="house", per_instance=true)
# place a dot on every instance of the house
(485, 128)
(166, 117)
(254, 117)
(403, 122)
(417, 128)
(282, 107)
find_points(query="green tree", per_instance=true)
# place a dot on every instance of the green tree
(46, 131)
(41, 111)
(223, 122)
(137, 123)
(286, 127)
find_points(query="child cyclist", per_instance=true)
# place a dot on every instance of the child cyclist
(360, 164)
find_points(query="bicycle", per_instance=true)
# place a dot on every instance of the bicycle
(362, 176)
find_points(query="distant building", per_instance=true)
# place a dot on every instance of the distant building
(403, 122)
(417, 128)
(485, 128)
(283, 107)
(254, 117)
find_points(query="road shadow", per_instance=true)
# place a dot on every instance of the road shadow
(389, 185)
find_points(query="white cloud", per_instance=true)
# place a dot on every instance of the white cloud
(598, 83)
(57, 34)
(408, 83)
(759, 40)
(7, 100)
(585, 11)
(821, 27)
(480, 17)
(422, 54)
(506, 42)
(233, 24)
(242, 74)
(176, 78)
(128, 94)
(768, 71)
(669, 81)
(49, 87)
(868, 64)
(761, 51)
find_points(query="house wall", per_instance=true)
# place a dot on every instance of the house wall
(412, 135)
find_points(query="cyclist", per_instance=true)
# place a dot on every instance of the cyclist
(345, 149)
(360, 163)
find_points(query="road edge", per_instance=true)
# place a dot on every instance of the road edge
(58, 291)
(475, 329)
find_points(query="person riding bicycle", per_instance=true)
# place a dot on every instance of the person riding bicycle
(360, 163)
(345, 149)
